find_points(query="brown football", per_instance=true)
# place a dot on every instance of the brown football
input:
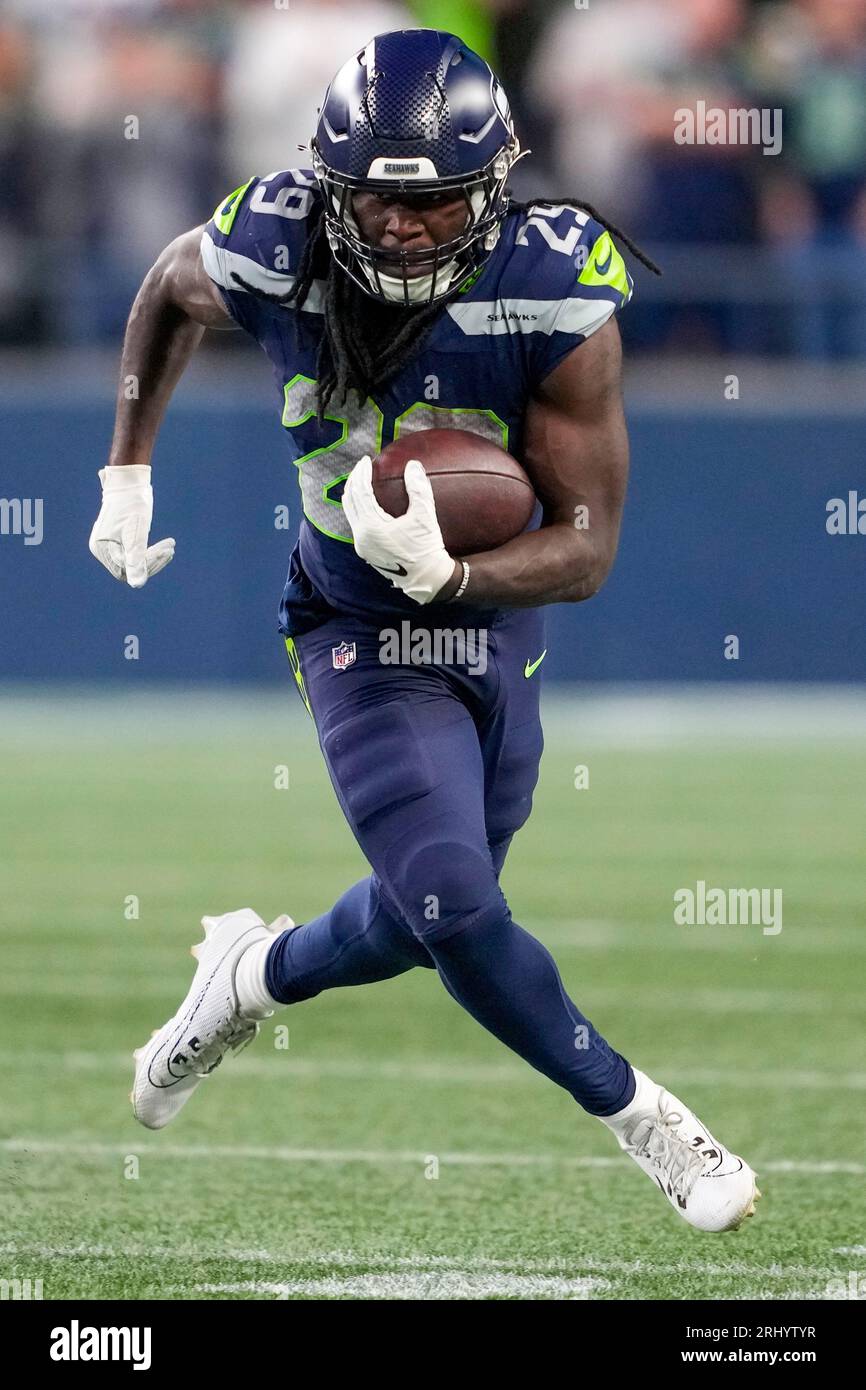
(483, 496)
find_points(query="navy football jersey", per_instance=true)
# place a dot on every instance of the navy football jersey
(554, 277)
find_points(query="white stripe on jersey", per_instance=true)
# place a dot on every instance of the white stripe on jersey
(219, 263)
(548, 316)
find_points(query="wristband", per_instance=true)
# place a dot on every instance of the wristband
(459, 592)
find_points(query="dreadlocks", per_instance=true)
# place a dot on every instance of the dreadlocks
(366, 342)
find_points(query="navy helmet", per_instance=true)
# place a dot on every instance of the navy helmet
(415, 112)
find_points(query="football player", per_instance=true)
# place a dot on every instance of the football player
(395, 287)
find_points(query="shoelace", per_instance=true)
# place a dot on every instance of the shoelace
(235, 1033)
(680, 1163)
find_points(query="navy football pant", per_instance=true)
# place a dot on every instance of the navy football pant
(434, 767)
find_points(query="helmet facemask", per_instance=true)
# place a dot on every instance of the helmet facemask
(384, 274)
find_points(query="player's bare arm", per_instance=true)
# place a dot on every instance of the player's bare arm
(176, 303)
(576, 454)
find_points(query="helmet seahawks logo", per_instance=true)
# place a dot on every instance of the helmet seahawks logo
(403, 168)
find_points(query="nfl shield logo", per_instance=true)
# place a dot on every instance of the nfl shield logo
(343, 656)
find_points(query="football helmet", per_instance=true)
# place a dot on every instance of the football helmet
(414, 112)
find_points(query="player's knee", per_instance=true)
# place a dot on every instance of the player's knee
(447, 886)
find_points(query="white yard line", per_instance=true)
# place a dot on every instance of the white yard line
(449, 1284)
(659, 936)
(668, 999)
(285, 1066)
(815, 1295)
(769, 1079)
(79, 939)
(359, 1260)
(282, 1154)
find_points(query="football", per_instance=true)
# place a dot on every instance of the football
(483, 496)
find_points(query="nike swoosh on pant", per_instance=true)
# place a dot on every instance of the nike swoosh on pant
(532, 666)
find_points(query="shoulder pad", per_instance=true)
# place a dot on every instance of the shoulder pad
(259, 232)
(558, 278)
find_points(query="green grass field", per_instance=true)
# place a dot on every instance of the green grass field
(393, 1149)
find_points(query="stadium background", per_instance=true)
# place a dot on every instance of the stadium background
(152, 780)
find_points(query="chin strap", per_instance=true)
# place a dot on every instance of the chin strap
(417, 291)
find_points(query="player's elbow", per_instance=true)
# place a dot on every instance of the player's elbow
(584, 589)
(587, 584)
(155, 289)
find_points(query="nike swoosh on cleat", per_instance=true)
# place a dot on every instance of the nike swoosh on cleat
(533, 665)
(384, 569)
(729, 1174)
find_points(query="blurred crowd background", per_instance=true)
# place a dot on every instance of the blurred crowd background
(763, 254)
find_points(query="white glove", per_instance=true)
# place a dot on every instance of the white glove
(408, 549)
(119, 535)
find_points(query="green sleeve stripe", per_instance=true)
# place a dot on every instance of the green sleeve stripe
(606, 267)
(226, 211)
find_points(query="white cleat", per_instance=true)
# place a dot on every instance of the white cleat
(711, 1188)
(207, 1025)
